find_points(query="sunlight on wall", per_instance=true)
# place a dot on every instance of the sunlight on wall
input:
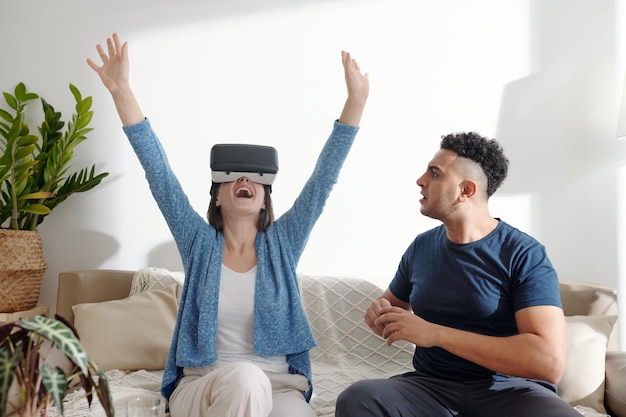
(620, 53)
(518, 210)
(621, 250)
(276, 78)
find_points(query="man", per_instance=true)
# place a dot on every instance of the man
(478, 298)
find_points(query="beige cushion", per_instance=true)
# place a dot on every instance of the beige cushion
(588, 299)
(132, 333)
(583, 380)
(614, 397)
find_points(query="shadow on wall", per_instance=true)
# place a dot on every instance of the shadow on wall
(82, 249)
(88, 248)
(558, 128)
(563, 127)
(165, 256)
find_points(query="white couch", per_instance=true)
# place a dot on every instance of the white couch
(128, 336)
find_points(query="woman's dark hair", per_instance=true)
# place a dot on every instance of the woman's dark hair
(484, 151)
(214, 214)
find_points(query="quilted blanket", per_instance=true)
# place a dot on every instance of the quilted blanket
(347, 349)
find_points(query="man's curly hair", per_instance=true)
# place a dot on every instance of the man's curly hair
(484, 151)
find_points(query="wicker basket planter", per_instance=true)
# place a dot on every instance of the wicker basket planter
(21, 269)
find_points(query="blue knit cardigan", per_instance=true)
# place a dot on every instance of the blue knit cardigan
(280, 324)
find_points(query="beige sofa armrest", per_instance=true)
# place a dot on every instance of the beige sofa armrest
(615, 389)
(91, 286)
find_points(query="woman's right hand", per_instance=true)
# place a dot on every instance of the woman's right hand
(115, 67)
(358, 90)
(114, 73)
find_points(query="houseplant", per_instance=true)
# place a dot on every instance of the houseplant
(35, 179)
(25, 366)
(34, 169)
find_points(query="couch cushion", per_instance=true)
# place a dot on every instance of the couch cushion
(588, 299)
(150, 278)
(614, 398)
(583, 380)
(132, 333)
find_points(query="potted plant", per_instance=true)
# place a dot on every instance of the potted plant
(38, 385)
(34, 179)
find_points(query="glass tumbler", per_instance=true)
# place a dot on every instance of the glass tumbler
(146, 406)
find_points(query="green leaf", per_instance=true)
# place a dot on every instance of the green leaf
(24, 151)
(37, 196)
(75, 93)
(22, 168)
(20, 91)
(11, 101)
(20, 185)
(55, 381)
(6, 115)
(104, 391)
(27, 140)
(38, 209)
(83, 106)
(84, 121)
(8, 363)
(30, 96)
(4, 131)
(23, 348)
(22, 94)
(62, 337)
(16, 128)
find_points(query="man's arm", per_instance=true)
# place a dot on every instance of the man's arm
(539, 351)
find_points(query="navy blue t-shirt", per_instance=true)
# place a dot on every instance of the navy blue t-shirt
(476, 287)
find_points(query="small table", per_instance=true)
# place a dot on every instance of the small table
(13, 317)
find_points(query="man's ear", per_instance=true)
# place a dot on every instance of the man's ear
(468, 189)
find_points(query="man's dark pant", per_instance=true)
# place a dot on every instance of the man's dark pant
(417, 395)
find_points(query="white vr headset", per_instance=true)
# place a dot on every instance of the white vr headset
(230, 162)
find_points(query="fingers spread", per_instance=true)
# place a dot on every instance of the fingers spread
(116, 40)
(110, 47)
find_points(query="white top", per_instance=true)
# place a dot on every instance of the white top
(235, 323)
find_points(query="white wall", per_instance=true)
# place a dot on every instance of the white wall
(542, 76)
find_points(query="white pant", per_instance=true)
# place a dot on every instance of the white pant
(240, 390)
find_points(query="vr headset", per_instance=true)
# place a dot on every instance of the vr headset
(232, 161)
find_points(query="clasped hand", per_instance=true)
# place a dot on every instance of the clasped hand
(395, 323)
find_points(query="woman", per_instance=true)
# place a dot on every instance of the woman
(249, 354)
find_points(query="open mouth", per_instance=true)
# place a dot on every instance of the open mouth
(243, 192)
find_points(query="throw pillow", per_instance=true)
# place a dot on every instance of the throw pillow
(132, 333)
(583, 380)
(150, 278)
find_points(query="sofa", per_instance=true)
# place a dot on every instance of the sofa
(125, 319)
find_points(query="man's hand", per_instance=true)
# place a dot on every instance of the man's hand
(373, 313)
(400, 324)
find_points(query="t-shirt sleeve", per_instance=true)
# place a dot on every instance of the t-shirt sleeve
(400, 285)
(536, 282)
